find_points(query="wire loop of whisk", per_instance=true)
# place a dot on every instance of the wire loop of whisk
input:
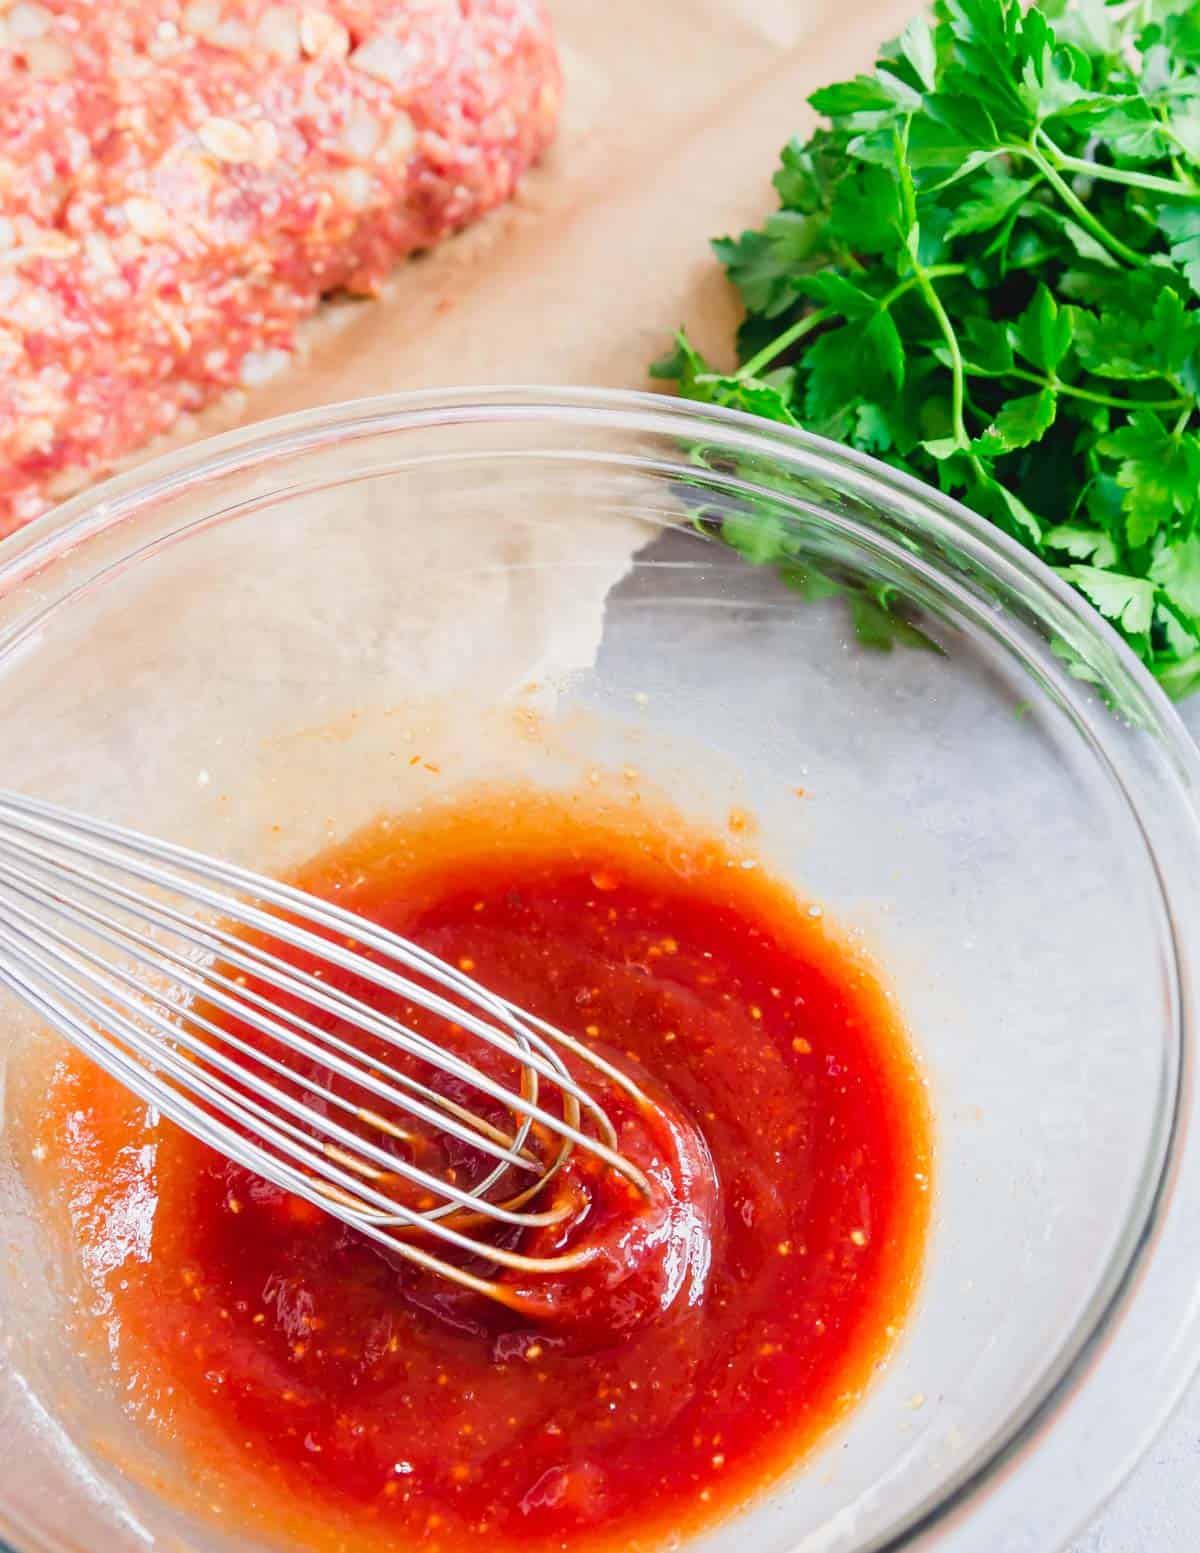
(133, 949)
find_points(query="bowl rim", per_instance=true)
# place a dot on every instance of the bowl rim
(101, 505)
(1014, 1464)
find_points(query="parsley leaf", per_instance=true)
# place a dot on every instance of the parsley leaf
(1129, 601)
(1019, 422)
(1181, 225)
(1042, 334)
(1159, 472)
(985, 269)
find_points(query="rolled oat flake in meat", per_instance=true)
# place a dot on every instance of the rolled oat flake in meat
(181, 181)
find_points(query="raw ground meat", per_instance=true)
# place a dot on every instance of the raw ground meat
(180, 184)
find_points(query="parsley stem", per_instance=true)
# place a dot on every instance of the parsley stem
(1070, 391)
(1097, 170)
(934, 272)
(1081, 213)
(908, 195)
(958, 386)
(810, 321)
(1092, 397)
(1180, 425)
(780, 343)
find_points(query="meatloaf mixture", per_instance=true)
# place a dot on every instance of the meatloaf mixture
(181, 181)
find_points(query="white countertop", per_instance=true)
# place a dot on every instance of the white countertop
(1157, 1510)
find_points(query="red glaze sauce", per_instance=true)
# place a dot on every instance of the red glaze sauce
(321, 1388)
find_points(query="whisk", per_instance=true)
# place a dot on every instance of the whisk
(129, 946)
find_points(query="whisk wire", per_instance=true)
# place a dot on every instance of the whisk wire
(212, 988)
(369, 1206)
(53, 944)
(145, 1018)
(545, 1061)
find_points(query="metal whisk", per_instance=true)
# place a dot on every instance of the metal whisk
(134, 948)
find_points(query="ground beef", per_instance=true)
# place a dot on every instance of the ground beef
(182, 180)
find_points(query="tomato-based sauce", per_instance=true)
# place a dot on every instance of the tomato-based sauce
(727, 1321)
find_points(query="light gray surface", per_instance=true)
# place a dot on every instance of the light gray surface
(1158, 1509)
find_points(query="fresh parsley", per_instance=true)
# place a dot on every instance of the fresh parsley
(986, 271)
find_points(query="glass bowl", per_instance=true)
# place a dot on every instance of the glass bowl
(245, 646)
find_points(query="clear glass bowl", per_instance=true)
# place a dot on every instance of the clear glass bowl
(263, 631)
